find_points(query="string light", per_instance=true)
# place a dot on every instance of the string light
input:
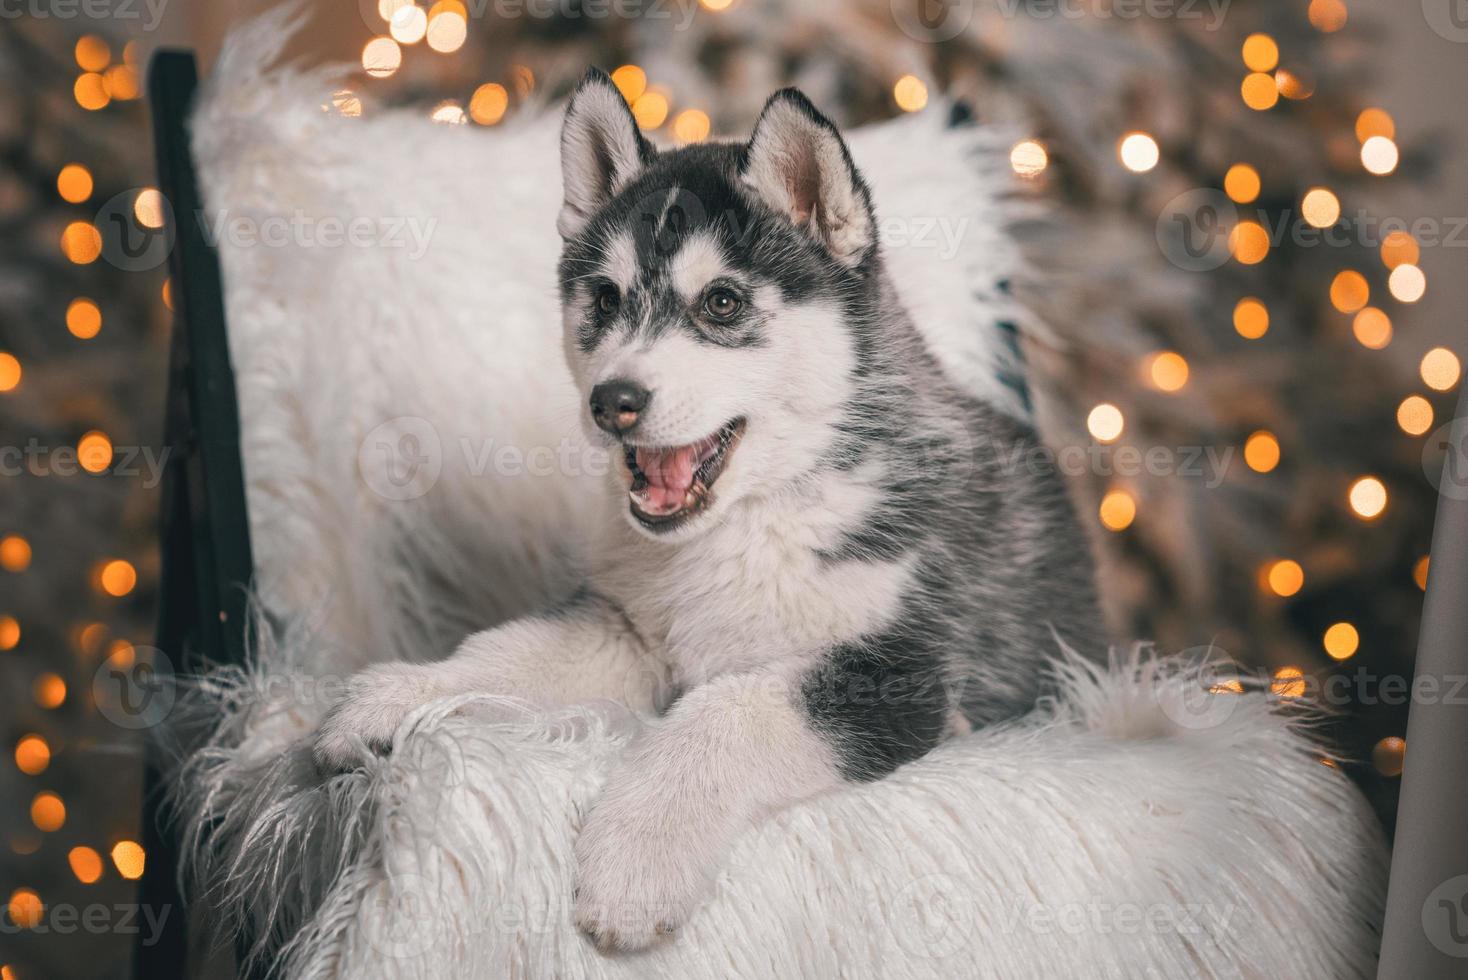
(1284, 577)
(148, 208)
(717, 5)
(25, 908)
(15, 553)
(9, 632)
(1251, 318)
(381, 57)
(83, 319)
(1379, 156)
(488, 104)
(90, 91)
(86, 864)
(691, 126)
(48, 813)
(1320, 207)
(631, 81)
(1241, 183)
(1341, 641)
(408, 25)
(651, 109)
(1259, 91)
(523, 79)
(117, 577)
(49, 691)
(74, 183)
(32, 755)
(94, 452)
(1117, 511)
(1289, 682)
(1028, 158)
(1419, 571)
(1138, 152)
(1168, 370)
(910, 93)
(121, 82)
(1261, 451)
(386, 8)
(81, 242)
(449, 113)
(1248, 242)
(1327, 16)
(346, 102)
(447, 30)
(1260, 52)
(129, 859)
(9, 371)
(1407, 283)
(92, 53)
(1349, 291)
(1390, 756)
(1293, 85)
(1415, 415)
(1440, 369)
(1372, 328)
(1368, 498)
(1375, 122)
(1399, 248)
(1105, 423)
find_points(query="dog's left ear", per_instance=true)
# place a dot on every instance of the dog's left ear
(602, 149)
(798, 163)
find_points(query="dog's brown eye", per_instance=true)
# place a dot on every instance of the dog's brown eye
(722, 304)
(607, 301)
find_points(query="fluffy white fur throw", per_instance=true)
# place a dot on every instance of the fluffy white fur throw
(1137, 827)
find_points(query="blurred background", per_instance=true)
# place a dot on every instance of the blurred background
(1247, 254)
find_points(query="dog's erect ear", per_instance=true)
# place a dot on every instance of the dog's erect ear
(601, 150)
(798, 163)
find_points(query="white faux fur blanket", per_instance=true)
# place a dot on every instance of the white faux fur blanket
(1138, 827)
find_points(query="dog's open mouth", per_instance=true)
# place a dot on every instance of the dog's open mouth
(671, 484)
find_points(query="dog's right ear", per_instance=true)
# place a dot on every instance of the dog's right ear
(601, 150)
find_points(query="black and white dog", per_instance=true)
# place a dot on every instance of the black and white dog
(814, 563)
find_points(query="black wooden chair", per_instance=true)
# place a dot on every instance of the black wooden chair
(207, 571)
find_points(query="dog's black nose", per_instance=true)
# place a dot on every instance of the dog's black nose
(615, 405)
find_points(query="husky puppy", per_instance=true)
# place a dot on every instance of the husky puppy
(818, 558)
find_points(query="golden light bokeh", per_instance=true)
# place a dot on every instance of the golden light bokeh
(717, 5)
(1260, 52)
(25, 908)
(651, 109)
(450, 113)
(94, 451)
(74, 183)
(1341, 641)
(1138, 152)
(48, 813)
(692, 126)
(10, 371)
(1379, 156)
(86, 864)
(1167, 370)
(409, 24)
(1372, 328)
(910, 93)
(381, 57)
(129, 859)
(631, 81)
(522, 79)
(1375, 122)
(92, 53)
(121, 654)
(1259, 91)
(1248, 242)
(81, 242)
(1349, 291)
(1028, 158)
(9, 632)
(1415, 415)
(1407, 283)
(1293, 85)
(1390, 756)
(447, 31)
(1327, 16)
(121, 82)
(1241, 183)
(1117, 511)
(117, 577)
(1289, 682)
(148, 208)
(167, 293)
(90, 91)
(1105, 422)
(1398, 248)
(1251, 318)
(1284, 577)
(49, 691)
(1368, 498)
(1420, 570)
(1261, 451)
(1440, 369)
(83, 319)
(1320, 207)
(32, 755)
(15, 553)
(488, 104)
(347, 103)
(386, 8)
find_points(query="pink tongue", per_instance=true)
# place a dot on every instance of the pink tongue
(669, 475)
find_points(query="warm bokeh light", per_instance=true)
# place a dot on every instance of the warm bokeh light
(1349, 291)
(92, 53)
(74, 183)
(1284, 577)
(1440, 369)
(1390, 756)
(1399, 247)
(447, 31)
(48, 813)
(1261, 451)
(1028, 158)
(1379, 156)
(386, 8)
(1327, 16)
(1341, 641)
(1368, 497)
(1420, 570)
(1293, 85)
(449, 112)
(89, 637)
(1118, 510)
(1415, 415)
(117, 577)
(1105, 423)
(1375, 122)
(1372, 328)
(25, 908)
(1407, 283)
(1320, 207)
(381, 57)
(90, 91)
(1259, 91)
(9, 371)
(1248, 243)
(32, 755)
(15, 553)
(1260, 52)
(1289, 682)
(409, 24)
(1167, 370)
(346, 102)
(1138, 152)
(489, 103)
(651, 109)
(631, 81)
(910, 93)
(1241, 183)
(83, 319)
(85, 863)
(9, 632)
(121, 82)
(49, 691)
(129, 858)
(94, 451)
(522, 79)
(148, 208)
(691, 126)
(81, 242)
(717, 5)
(1251, 318)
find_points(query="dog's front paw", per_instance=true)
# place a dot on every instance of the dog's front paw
(376, 702)
(635, 883)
